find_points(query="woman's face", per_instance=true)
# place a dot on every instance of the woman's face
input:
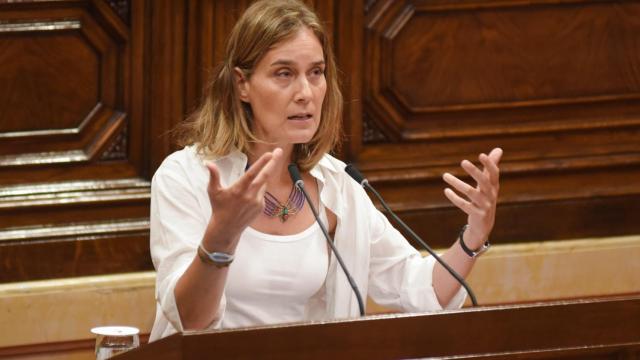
(286, 90)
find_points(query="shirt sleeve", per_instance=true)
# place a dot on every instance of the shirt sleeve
(400, 278)
(177, 227)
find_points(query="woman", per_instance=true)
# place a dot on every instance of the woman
(233, 242)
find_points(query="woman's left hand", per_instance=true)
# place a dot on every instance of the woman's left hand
(480, 205)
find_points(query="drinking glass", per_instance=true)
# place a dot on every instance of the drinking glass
(113, 340)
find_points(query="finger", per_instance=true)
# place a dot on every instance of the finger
(246, 179)
(475, 173)
(260, 194)
(214, 177)
(459, 202)
(267, 170)
(462, 187)
(490, 168)
(495, 155)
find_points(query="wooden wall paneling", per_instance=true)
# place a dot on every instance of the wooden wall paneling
(209, 24)
(552, 82)
(138, 142)
(349, 47)
(426, 84)
(226, 13)
(81, 249)
(199, 50)
(81, 48)
(166, 75)
(187, 40)
(500, 58)
(72, 139)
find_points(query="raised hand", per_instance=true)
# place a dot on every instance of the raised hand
(235, 207)
(480, 202)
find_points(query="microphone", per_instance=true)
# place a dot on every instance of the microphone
(360, 179)
(297, 181)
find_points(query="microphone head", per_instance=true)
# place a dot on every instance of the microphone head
(294, 172)
(355, 174)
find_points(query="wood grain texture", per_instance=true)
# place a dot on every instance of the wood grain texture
(554, 83)
(72, 131)
(32, 79)
(586, 329)
(81, 249)
(64, 86)
(92, 89)
(446, 62)
(77, 349)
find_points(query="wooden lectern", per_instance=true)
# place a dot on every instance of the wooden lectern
(578, 329)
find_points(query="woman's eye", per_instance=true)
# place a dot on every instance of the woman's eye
(318, 72)
(284, 74)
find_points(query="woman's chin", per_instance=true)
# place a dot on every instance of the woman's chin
(300, 137)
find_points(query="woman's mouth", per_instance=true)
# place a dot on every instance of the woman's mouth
(301, 116)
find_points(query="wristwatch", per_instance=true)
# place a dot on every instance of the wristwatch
(219, 259)
(472, 253)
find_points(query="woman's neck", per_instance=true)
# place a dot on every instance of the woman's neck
(280, 171)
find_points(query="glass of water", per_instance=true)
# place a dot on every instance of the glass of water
(113, 340)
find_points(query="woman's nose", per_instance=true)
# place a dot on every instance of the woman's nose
(303, 93)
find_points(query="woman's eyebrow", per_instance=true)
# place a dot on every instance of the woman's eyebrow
(290, 62)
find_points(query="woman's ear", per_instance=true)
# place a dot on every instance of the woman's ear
(242, 84)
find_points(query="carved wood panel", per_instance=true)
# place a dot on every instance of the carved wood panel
(93, 91)
(554, 83)
(451, 70)
(71, 139)
(91, 88)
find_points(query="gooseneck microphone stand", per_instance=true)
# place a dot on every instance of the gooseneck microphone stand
(360, 179)
(297, 180)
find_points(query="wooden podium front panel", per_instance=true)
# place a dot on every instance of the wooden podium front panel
(605, 329)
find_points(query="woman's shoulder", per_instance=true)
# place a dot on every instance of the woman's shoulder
(182, 160)
(189, 165)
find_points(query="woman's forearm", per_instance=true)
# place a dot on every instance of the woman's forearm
(199, 290)
(445, 285)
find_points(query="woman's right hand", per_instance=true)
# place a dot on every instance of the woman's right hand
(236, 206)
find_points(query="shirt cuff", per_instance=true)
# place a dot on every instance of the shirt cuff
(171, 312)
(458, 300)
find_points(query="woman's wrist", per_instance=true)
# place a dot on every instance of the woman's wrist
(474, 240)
(218, 239)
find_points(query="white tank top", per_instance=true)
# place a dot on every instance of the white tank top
(277, 279)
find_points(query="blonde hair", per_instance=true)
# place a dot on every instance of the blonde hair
(222, 121)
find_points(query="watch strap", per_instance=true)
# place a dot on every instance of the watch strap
(471, 253)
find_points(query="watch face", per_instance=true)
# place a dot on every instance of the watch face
(483, 249)
(221, 258)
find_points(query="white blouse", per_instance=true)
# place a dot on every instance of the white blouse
(277, 279)
(383, 264)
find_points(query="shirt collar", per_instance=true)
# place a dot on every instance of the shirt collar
(324, 164)
(236, 161)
